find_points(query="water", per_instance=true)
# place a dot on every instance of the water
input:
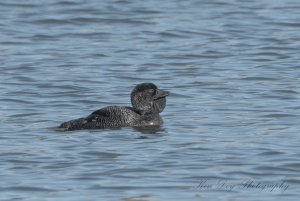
(231, 127)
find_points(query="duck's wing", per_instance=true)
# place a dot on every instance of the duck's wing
(98, 115)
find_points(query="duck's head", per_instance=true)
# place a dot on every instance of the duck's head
(146, 98)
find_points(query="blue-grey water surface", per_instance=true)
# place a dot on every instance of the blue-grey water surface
(231, 128)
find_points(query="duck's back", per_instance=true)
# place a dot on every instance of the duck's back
(108, 117)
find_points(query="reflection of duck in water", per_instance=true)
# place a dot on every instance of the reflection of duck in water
(147, 102)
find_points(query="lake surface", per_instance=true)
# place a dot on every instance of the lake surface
(232, 123)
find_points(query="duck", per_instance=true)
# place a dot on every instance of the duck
(147, 103)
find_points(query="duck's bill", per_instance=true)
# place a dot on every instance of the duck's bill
(161, 94)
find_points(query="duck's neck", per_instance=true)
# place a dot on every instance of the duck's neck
(146, 113)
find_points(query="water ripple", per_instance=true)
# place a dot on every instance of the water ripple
(233, 114)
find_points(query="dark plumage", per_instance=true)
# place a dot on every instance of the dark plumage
(147, 102)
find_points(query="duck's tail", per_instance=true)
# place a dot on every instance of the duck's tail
(75, 124)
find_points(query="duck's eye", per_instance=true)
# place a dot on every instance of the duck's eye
(152, 91)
